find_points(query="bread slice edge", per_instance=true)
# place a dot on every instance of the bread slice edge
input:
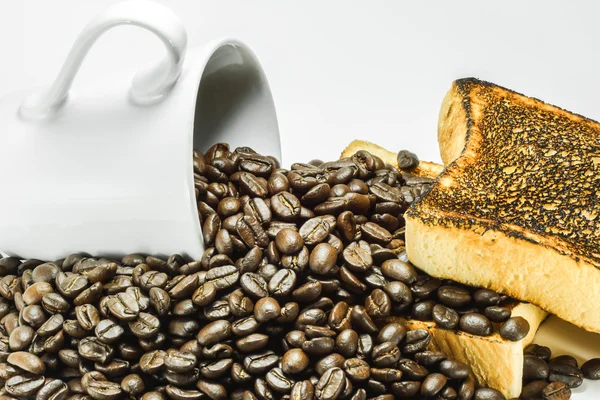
(510, 265)
(496, 362)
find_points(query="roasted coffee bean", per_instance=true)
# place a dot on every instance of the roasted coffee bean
(476, 324)
(54, 303)
(453, 296)
(21, 386)
(331, 384)
(591, 369)
(569, 374)
(108, 331)
(357, 369)
(252, 343)
(123, 306)
(358, 256)
(429, 358)
(103, 390)
(214, 332)
(514, 329)
(497, 313)
(433, 384)
(556, 391)
(412, 370)
(406, 389)
(393, 332)
(423, 310)
(278, 381)
(534, 368)
(153, 361)
(378, 304)
(179, 362)
(346, 342)
(332, 360)
(266, 309)
(289, 312)
(27, 362)
(362, 320)
(91, 348)
(486, 298)
(454, 369)
(407, 160)
(87, 316)
(288, 241)
(385, 354)
(54, 389)
(244, 326)
(144, 326)
(302, 390)
(488, 394)
(261, 362)
(542, 352)
(319, 346)
(564, 359)
(21, 337)
(322, 259)
(445, 317)
(254, 285)
(365, 346)
(282, 283)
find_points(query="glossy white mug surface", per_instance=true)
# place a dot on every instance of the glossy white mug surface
(107, 170)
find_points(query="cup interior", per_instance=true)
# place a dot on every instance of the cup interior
(234, 103)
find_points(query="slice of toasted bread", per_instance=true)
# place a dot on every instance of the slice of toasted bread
(425, 169)
(517, 208)
(496, 362)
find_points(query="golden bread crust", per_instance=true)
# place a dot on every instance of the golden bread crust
(527, 177)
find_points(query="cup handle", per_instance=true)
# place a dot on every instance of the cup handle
(148, 85)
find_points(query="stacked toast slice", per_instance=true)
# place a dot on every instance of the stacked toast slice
(517, 208)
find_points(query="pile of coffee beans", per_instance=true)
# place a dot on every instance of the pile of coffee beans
(548, 378)
(300, 269)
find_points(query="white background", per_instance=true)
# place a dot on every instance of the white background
(343, 70)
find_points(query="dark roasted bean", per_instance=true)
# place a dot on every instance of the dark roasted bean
(514, 329)
(476, 324)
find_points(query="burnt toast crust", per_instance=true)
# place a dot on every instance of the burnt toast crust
(528, 169)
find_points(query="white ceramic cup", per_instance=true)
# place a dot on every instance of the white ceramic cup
(108, 170)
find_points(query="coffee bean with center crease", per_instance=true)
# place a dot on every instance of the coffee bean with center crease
(87, 316)
(91, 348)
(223, 277)
(21, 386)
(254, 285)
(108, 331)
(153, 361)
(569, 374)
(331, 384)
(278, 381)
(160, 301)
(71, 285)
(177, 361)
(358, 256)
(357, 369)
(104, 390)
(286, 206)
(123, 306)
(144, 326)
(261, 362)
(378, 304)
(55, 389)
(302, 390)
(251, 232)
